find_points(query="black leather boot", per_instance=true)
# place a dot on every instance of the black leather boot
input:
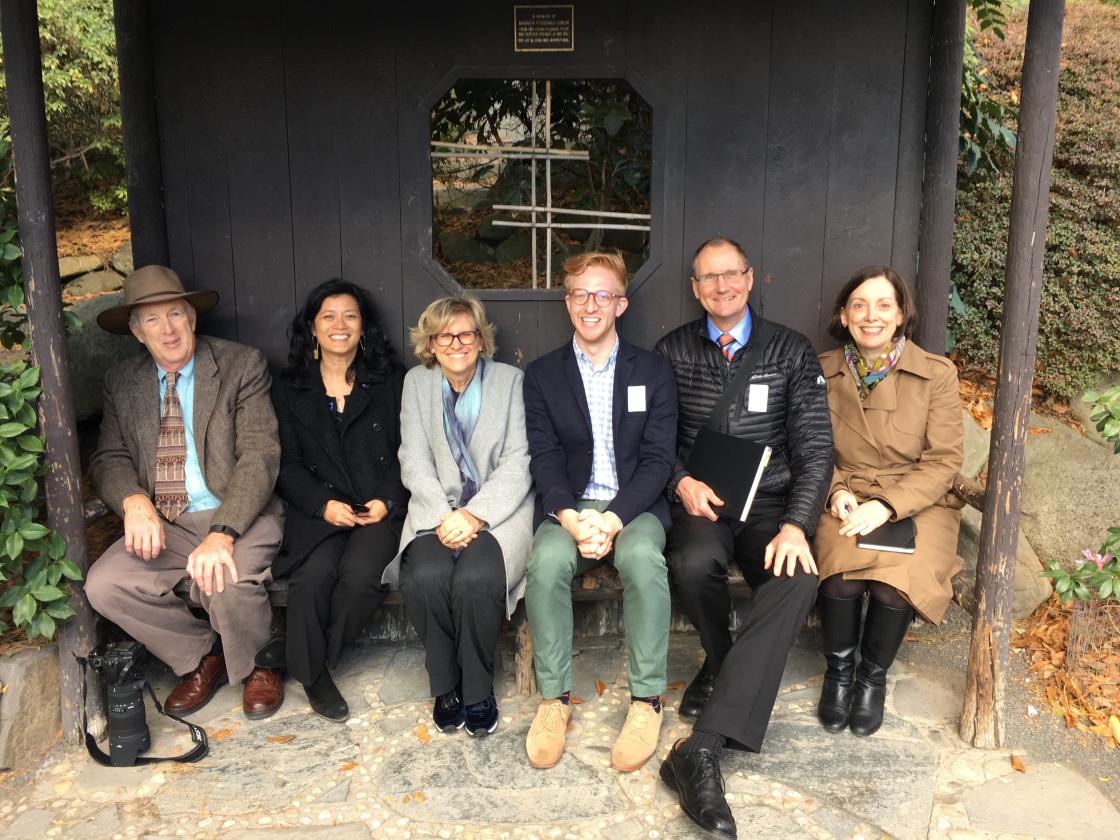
(840, 627)
(883, 632)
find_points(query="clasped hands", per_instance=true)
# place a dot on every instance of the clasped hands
(341, 515)
(857, 519)
(144, 537)
(458, 528)
(594, 532)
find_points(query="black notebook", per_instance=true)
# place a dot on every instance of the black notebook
(732, 467)
(891, 536)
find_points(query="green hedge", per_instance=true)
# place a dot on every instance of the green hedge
(1079, 326)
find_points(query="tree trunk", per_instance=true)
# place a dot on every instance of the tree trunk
(22, 64)
(982, 720)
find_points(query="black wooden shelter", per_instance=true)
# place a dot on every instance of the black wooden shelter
(273, 144)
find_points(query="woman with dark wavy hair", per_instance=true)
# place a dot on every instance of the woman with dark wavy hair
(899, 442)
(338, 405)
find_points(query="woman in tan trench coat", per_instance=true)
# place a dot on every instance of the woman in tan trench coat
(899, 439)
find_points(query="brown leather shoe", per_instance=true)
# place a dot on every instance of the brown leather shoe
(263, 693)
(198, 686)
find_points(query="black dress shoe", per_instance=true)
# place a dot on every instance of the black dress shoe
(698, 693)
(696, 778)
(325, 698)
(273, 654)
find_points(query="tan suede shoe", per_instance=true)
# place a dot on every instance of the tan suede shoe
(545, 744)
(638, 738)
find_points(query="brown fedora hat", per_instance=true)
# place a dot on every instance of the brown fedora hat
(152, 284)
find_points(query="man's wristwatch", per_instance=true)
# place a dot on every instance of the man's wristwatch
(225, 529)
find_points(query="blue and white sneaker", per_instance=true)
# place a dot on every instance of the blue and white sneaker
(448, 712)
(482, 717)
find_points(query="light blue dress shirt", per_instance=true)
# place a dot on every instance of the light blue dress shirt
(741, 332)
(598, 387)
(198, 494)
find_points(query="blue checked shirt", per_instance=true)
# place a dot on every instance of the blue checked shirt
(598, 387)
(198, 494)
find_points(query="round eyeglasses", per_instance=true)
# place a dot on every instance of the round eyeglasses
(602, 297)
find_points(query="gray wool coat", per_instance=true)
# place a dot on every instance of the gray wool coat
(501, 452)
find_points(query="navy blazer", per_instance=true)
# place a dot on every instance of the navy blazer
(558, 423)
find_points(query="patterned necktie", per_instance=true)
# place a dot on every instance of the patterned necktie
(171, 456)
(724, 340)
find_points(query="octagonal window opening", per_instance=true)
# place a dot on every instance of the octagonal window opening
(526, 173)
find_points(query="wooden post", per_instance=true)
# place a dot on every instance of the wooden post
(939, 185)
(143, 168)
(982, 721)
(20, 28)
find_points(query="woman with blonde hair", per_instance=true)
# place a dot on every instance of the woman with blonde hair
(464, 544)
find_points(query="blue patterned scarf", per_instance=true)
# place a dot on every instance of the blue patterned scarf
(459, 419)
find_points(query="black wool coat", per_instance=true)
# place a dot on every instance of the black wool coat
(318, 464)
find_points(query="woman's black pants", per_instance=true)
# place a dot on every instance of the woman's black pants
(457, 606)
(334, 593)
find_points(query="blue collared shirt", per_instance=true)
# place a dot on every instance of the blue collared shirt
(598, 387)
(741, 332)
(198, 494)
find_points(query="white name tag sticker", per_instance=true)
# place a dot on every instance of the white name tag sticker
(757, 396)
(636, 398)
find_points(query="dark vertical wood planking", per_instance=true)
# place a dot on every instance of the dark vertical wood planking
(911, 140)
(729, 58)
(863, 150)
(210, 59)
(369, 179)
(319, 85)
(171, 54)
(799, 130)
(516, 323)
(657, 57)
(141, 133)
(260, 202)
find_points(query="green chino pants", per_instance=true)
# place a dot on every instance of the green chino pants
(638, 555)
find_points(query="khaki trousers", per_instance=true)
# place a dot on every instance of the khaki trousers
(137, 595)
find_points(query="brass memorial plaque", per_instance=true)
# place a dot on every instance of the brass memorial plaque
(544, 28)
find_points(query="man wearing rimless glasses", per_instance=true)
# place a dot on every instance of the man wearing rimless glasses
(601, 417)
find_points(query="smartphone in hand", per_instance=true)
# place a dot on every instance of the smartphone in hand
(361, 510)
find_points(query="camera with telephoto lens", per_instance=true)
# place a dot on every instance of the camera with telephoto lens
(122, 666)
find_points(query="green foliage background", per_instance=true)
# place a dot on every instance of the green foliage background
(1079, 326)
(82, 99)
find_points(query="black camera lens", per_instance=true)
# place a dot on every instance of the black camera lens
(128, 729)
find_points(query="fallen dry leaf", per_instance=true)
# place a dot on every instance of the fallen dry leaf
(575, 701)
(1114, 726)
(675, 686)
(418, 797)
(1017, 764)
(280, 739)
(222, 734)
(600, 687)
(347, 767)
(422, 733)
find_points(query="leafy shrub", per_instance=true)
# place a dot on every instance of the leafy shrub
(1079, 329)
(82, 100)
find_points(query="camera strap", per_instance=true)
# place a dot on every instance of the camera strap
(198, 734)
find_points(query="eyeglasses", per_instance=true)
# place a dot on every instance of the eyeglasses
(729, 276)
(446, 339)
(580, 296)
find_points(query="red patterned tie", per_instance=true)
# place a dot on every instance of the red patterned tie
(724, 340)
(171, 456)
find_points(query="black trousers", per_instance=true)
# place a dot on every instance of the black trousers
(750, 669)
(334, 593)
(457, 606)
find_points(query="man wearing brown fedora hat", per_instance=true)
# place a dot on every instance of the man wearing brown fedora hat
(188, 456)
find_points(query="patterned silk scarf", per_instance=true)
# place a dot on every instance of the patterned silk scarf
(868, 376)
(459, 419)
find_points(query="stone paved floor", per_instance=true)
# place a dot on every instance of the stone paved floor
(387, 773)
